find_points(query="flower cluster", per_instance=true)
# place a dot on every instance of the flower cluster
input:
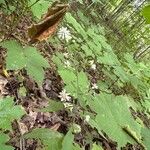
(64, 34)
(64, 96)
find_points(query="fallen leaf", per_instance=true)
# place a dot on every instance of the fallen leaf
(56, 126)
(23, 128)
(3, 82)
(48, 24)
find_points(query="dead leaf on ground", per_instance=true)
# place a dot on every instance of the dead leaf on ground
(3, 82)
(48, 24)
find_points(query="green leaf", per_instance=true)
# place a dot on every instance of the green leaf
(15, 57)
(2, 1)
(53, 106)
(146, 137)
(76, 83)
(67, 143)
(28, 58)
(3, 140)
(112, 116)
(50, 139)
(39, 8)
(97, 147)
(146, 13)
(77, 26)
(9, 112)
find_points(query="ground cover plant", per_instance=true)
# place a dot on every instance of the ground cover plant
(74, 75)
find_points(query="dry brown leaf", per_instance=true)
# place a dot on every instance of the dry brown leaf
(23, 128)
(48, 24)
(56, 126)
(3, 82)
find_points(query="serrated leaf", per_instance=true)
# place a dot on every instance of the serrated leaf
(3, 140)
(112, 115)
(28, 58)
(51, 140)
(15, 56)
(9, 112)
(53, 107)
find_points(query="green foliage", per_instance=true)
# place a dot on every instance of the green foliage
(9, 112)
(50, 139)
(113, 113)
(3, 140)
(39, 8)
(96, 147)
(53, 107)
(67, 143)
(146, 13)
(146, 137)
(28, 58)
(112, 116)
(116, 73)
(53, 140)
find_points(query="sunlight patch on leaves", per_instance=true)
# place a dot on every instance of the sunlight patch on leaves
(146, 13)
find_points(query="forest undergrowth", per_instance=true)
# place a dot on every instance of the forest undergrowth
(64, 82)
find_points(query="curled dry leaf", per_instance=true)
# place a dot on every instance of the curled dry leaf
(48, 24)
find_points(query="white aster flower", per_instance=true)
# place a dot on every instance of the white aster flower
(67, 63)
(64, 34)
(94, 86)
(68, 105)
(93, 65)
(64, 96)
(66, 55)
(87, 118)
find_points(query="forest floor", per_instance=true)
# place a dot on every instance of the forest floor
(36, 97)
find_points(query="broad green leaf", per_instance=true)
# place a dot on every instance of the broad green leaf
(3, 140)
(67, 143)
(77, 147)
(9, 112)
(39, 8)
(76, 83)
(15, 55)
(77, 26)
(120, 72)
(28, 58)
(53, 106)
(51, 140)
(2, 1)
(146, 13)
(146, 137)
(112, 116)
(97, 147)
